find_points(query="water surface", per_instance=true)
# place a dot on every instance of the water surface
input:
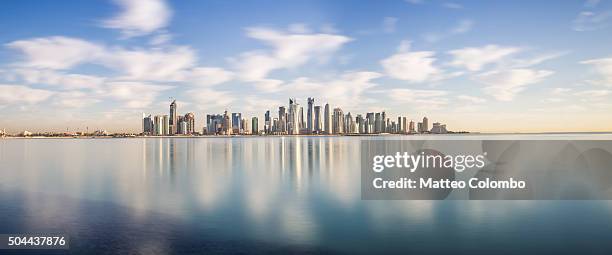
(263, 195)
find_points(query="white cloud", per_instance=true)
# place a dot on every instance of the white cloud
(471, 99)
(134, 94)
(474, 59)
(208, 76)
(59, 79)
(561, 91)
(504, 85)
(299, 28)
(527, 62)
(154, 64)
(412, 95)
(349, 89)
(161, 38)
(422, 99)
(591, 94)
(462, 27)
(590, 21)
(289, 51)
(211, 100)
(389, 24)
(346, 91)
(412, 66)
(56, 52)
(603, 66)
(75, 99)
(140, 17)
(16, 94)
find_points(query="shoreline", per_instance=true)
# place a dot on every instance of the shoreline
(259, 136)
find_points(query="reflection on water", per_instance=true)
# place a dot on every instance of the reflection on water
(296, 194)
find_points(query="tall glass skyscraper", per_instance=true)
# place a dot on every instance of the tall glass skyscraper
(310, 116)
(173, 122)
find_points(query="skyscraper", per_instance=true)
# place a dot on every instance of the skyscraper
(383, 128)
(227, 124)
(236, 122)
(281, 127)
(338, 121)
(370, 123)
(327, 120)
(165, 125)
(310, 116)
(377, 123)
(399, 124)
(425, 124)
(267, 123)
(147, 125)
(411, 128)
(293, 126)
(173, 122)
(318, 121)
(158, 126)
(190, 123)
(360, 124)
(255, 125)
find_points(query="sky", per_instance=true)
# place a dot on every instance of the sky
(483, 66)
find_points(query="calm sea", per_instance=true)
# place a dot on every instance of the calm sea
(263, 195)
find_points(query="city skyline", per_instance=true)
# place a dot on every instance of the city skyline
(287, 122)
(478, 66)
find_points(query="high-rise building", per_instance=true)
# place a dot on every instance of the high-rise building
(147, 125)
(181, 125)
(293, 126)
(411, 128)
(327, 120)
(420, 127)
(190, 123)
(310, 125)
(425, 124)
(255, 125)
(383, 128)
(370, 123)
(317, 119)
(158, 125)
(236, 123)
(404, 125)
(301, 122)
(378, 123)
(338, 121)
(360, 122)
(165, 125)
(173, 122)
(281, 127)
(399, 124)
(214, 124)
(349, 124)
(227, 124)
(267, 123)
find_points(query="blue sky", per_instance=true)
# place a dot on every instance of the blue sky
(489, 66)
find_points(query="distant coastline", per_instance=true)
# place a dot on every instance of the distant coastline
(307, 135)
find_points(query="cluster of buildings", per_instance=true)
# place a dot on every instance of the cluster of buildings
(172, 124)
(319, 119)
(291, 120)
